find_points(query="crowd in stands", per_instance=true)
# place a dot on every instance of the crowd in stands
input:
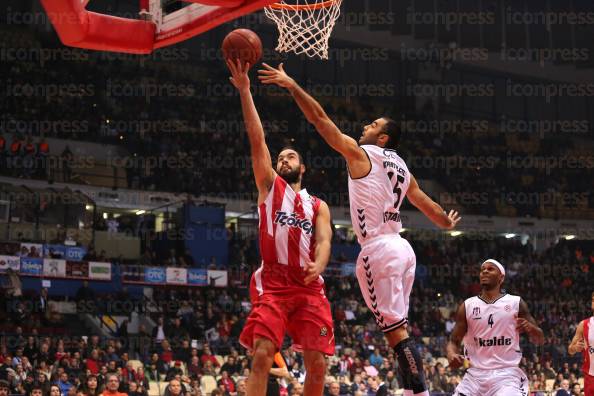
(194, 343)
(199, 145)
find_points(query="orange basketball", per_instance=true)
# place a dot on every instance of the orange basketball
(242, 44)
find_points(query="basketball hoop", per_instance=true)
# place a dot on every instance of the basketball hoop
(304, 26)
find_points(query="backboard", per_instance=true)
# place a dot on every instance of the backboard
(161, 22)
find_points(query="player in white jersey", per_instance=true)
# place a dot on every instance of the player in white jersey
(378, 182)
(583, 341)
(489, 325)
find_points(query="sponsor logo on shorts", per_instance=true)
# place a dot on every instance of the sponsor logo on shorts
(293, 220)
(323, 331)
(591, 350)
(495, 341)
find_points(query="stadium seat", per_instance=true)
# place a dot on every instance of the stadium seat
(220, 359)
(399, 392)
(153, 389)
(162, 386)
(549, 384)
(207, 384)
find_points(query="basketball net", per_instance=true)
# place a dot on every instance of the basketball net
(304, 26)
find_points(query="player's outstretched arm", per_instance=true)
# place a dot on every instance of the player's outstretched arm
(323, 233)
(430, 208)
(526, 323)
(261, 160)
(315, 114)
(577, 343)
(453, 348)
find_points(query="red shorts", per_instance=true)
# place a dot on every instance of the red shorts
(305, 317)
(588, 385)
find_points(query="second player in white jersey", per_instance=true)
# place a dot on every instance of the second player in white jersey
(489, 325)
(375, 199)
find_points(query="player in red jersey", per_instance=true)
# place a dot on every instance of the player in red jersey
(295, 236)
(583, 341)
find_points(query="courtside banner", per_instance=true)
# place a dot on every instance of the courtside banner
(31, 266)
(99, 271)
(217, 278)
(77, 269)
(197, 277)
(34, 250)
(75, 253)
(54, 267)
(12, 262)
(177, 276)
(155, 275)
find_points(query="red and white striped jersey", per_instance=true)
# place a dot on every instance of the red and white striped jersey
(287, 240)
(588, 353)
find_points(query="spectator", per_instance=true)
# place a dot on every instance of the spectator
(90, 387)
(207, 356)
(64, 384)
(159, 330)
(241, 388)
(376, 359)
(55, 390)
(226, 382)
(194, 369)
(112, 386)
(334, 389)
(174, 388)
(564, 389)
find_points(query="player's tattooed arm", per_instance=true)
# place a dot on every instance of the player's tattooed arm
(314, 113)
(577, 343)
(455, 359)
(261, 159)
(527, 323)
(430, 208)
(323, 233)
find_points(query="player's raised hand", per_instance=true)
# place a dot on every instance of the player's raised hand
(270, 75)
(454, 219)
(312, 271)
(239, 74)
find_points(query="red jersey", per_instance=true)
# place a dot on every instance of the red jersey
(588, 353)
(287, 240)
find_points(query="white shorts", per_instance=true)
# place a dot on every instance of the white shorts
(509, 381)
(386, 273)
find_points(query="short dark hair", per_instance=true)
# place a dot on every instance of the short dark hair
(393, 130)
(4, 384)
(295, 150)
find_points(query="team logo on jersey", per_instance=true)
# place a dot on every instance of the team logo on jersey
(293, 220)
(507, 308)
(323, 331)
(495, 341)
(591, 350)
(476, 311)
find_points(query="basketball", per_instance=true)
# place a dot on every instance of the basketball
(242, 44)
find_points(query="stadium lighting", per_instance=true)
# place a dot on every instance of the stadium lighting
(402, 230)
(569, 237)
(456, 233)
(88, 207)
(509, 236)
(140, 212)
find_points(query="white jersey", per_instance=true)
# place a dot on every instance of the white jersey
(492, 340)
(375, 199)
